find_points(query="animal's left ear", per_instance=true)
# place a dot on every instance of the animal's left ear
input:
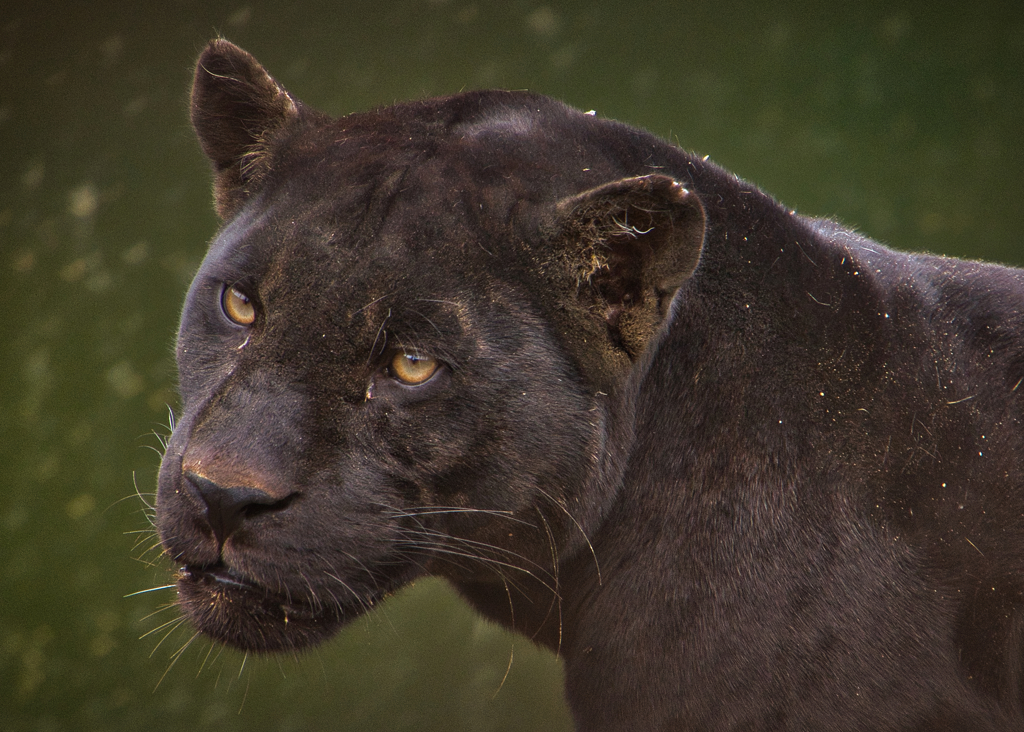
(632, 243)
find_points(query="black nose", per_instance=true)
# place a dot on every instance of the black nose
(227, 508)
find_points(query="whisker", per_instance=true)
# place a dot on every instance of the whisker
(154, 547)
(557, 601)
(145, 535)
(441, 510)
(174, 622)
(441, 551)
(362, 565)
(563, 509)
(471, 543)
(380, 331)
(436, 541)
(151, 589)
(174, 658)
(374, 302)
(348, 588)
(161, 609)
(177, 654)
(206, 658)
(147, 562)
(508, 670)
(432, 324)
(248, 683)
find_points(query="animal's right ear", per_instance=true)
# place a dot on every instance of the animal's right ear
(236, 109)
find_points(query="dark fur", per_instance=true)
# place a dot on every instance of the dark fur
(741, 468)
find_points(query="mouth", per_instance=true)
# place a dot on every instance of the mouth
(233, 609)
(217, 573)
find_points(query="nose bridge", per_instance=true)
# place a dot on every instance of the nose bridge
(248, 436)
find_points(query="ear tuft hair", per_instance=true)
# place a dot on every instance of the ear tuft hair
(631, 243)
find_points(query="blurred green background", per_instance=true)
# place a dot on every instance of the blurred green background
(903, 119)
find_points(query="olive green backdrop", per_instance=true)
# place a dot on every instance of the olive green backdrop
(904, 119)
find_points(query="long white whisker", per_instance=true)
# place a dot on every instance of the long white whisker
(472, 544)
(161, 609)
(175, 622)
(555, 566)
(507, 515)
(174, 657)
(248, 683)
(437, 550)
(563, 509)
(206, 658)
(151, 589)
(349, 589)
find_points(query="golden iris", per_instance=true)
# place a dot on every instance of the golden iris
(237, 306)
(412, 368)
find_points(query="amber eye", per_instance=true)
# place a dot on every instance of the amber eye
(237, 306)
(412, 368)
